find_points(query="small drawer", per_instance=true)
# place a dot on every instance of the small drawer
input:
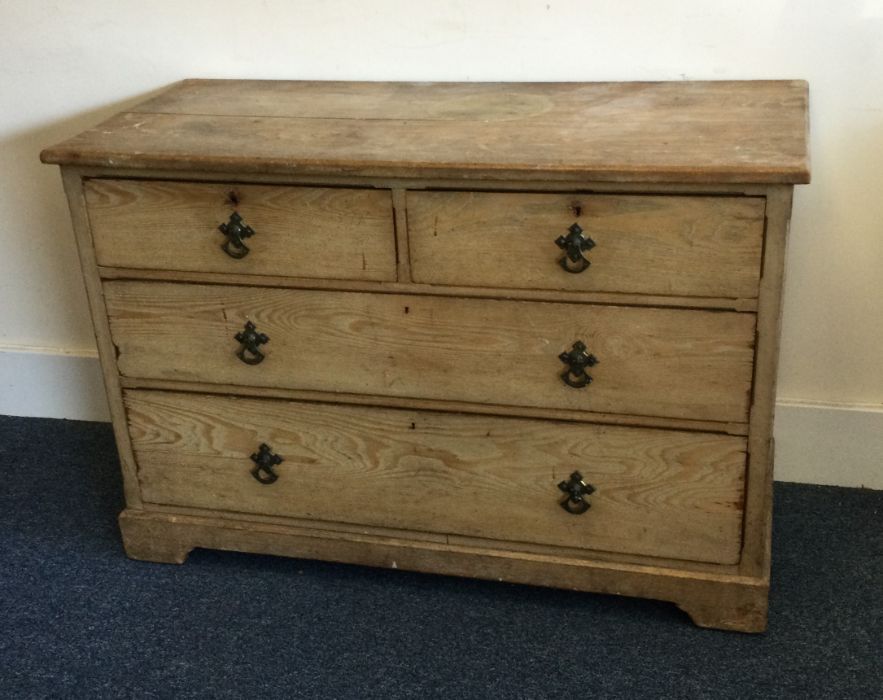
(638, 244)
(329, 233)
(650, 361)
(660, 493)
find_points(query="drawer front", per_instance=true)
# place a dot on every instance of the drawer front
(662, 245)
(653, 362)
(657, 492)
(298, 231)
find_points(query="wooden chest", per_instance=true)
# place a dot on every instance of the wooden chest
(523, 332)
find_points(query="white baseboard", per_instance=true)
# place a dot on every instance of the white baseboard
(835, 444)
(52, 383)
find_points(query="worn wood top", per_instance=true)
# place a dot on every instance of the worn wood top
(678, 132)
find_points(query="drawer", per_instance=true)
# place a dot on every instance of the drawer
(651, 361)
(298, 231)
(661, 245)
(657, 492)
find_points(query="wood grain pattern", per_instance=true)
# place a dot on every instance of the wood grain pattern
(759, 493)
(403, 254)
(681, 131)
(724, 601)
(614, 298)
(562, 414)
(329, 528)
(432, 359)
(663, 245)
(399, 181)
(658, 492)
(309, 232)
(661, 362)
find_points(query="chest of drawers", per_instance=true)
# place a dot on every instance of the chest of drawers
(524, 332)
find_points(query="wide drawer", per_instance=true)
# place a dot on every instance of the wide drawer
(662, 245)
(298, 231)
(651, 361)
(657, 492)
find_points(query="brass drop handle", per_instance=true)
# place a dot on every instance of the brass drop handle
(264, 461)
(576, 489)
(574, 244)
(251, 340)
(577, 359)
(236, 231)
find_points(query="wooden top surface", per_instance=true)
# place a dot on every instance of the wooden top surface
(670, 132)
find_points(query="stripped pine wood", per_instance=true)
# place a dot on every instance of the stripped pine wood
(615, 298)
(689, 246)
(405, 269)
(760, 467)
(403, 255)
(299, 231)
(327, 528)
(659, 492)
(684, 131)
(436, 405)
(411, 183)
(662, 362)
(722, 601)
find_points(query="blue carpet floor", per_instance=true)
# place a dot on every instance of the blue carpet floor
(78, 619)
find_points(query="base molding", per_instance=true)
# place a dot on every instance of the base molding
(749, 615)
(719, 601)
